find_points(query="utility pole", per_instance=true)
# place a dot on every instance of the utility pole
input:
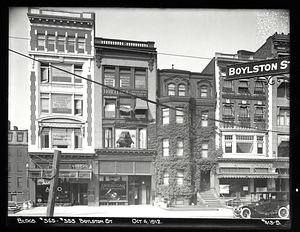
(53, 183)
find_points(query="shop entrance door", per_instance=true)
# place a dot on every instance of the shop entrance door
(205, 181)
(139, 190)
(79, 193)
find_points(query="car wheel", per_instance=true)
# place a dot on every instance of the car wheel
(283, 212)
(246, 213)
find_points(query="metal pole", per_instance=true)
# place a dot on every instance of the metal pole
(53, 183)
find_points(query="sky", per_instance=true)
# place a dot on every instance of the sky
(185, 32)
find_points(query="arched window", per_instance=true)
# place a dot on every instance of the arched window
(171, 89)
(181, 90)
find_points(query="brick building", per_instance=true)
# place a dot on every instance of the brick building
(17, 183)
(185, 134)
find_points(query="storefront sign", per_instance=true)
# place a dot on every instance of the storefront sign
(258, 68)
(113, 190)
(224, 188)
(139, 93)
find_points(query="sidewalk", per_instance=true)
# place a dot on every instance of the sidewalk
(132, 211)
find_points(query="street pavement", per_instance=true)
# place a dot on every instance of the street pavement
(132, 211)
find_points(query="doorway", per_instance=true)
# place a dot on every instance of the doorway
(79, 193)
(139, 190)
(205, 181)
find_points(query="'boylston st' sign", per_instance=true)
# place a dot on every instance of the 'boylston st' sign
(258, 68)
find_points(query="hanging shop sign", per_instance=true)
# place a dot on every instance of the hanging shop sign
(258, 68)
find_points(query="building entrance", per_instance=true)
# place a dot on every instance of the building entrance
(79, 193)
(205, 181)
(139, 190)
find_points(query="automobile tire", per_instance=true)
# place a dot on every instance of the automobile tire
(246, 213)
(283, 212)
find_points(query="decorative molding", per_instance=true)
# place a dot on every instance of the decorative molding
(98, 58)
(151, 62)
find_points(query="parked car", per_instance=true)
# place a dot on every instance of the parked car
(13, 207)
(264, 204)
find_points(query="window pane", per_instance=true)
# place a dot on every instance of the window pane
(51, 43)
(60, 75)
(125, 107)
(44, 105)
(179, 115)
(61, 43)
(71, 44)
(204, 121)
(78, 138)
(204, 91)
(143, 138)
(110, 108)
(81, 45)
(125, 138)
(78, 71)
(171, 90)
(44, 74)
(181, 90)
(61, 104)
(228, 147)
(227, 84)
(140, 79)
(124, 78)
(244, 147)
(109, 77)
(107, 137)
(61, 138)
(165, 115)
(243, 112)
(227, 110)
(45, 138)
(165, 147)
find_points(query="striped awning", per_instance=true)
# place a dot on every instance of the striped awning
(140, 104)
(252, 175)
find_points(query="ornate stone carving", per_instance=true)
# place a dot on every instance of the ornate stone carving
(151, 62)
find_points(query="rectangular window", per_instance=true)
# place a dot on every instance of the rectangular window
(20, 166)
(140, 79)
(204, 150)
(143, 138)
(78, 138)
(243, 147)
(227, 86)
(179, 114)
(109, 108)
(259, 148)
(181, 90)
(109, 76)
(61, 103)
(203, 91)
(204, 120)
(283, 90)
(71, 44)
(166, 178)
(41, 42)
(165, 147)
(45, 135)
(125, 78)
(227, 110)
(61, 40)
(108, 137)
(179, 147)
(19, 182)
(10, 136)
(165, 115)
(44, 74)
(244, 112)
(78, 72)
(81, 45)
(51, 43)
(125, 108)
(228, 147)
(180, 177)
(20, 137)
(78, 105)
(62, 73)
(259, 87)
(45, 103)
(62, 138)
(125, 138)
(283, 117)
(243, 87)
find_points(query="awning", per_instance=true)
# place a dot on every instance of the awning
(63, 173)
(255, 176)
(125, 109)
(141, 104)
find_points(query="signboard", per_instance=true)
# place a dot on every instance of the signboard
(139, 93)
(224, 188)
(61, 104)
(113, 190)
(258, 68)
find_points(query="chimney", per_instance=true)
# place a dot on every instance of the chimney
(15, 128)
(8, 125)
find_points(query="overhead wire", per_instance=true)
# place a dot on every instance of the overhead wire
(143, 98)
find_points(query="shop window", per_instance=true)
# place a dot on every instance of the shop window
(283, 116)
(179, 147)
(204, 119)
(125, 138)
(109, 108)
(125, 108)
(41, 42)
(166, 178)
(108, 138)
(204, 150)
(125, 78)
(171, 89)
(165, 144)
(180, 177)
(140, 79)
(109, 76)
(179, 114)
(181, 90)
(165, 115)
